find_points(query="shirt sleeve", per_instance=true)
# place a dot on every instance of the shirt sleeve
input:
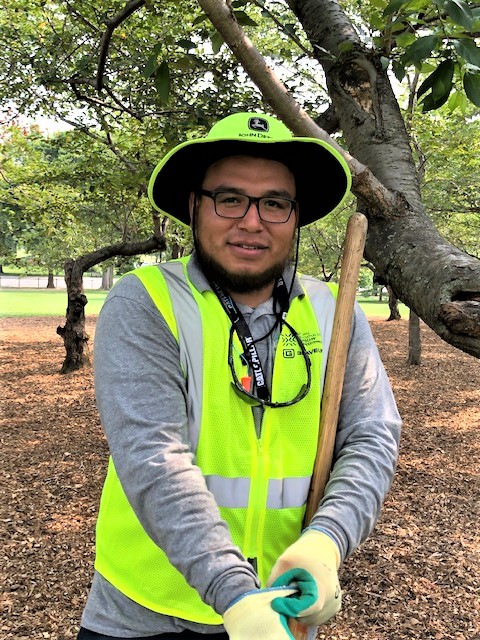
(366, 445)
(141, 397)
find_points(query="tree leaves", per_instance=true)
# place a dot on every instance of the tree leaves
(244, 19)
(162, 81)
(393, 6)
(151, 65)
(421, 49)
(467, 50)
(439, 83)
(471, 84)
(217, 41)
(436, 35)
(460, 13)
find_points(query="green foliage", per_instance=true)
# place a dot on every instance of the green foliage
(62, 198)
(450, 145)
(471, 84)
(438, 39)
(321, 245)
(158, 57)
(439, 83)
(167, 61)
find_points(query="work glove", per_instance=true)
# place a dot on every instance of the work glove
(252, 617)
(318, 554)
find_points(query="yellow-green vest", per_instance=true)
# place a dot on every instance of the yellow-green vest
(260, 483)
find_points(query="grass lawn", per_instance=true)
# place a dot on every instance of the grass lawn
(43, 302)
(372, 308)
(50, 302)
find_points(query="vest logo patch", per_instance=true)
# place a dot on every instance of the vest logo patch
(291, 348)
(288, 339)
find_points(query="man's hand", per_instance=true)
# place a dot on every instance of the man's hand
(318, 554)
(251, 616)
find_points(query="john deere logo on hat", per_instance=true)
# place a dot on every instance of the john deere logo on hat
(258, 124)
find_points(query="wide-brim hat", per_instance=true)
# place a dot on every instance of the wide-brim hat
(321, 174)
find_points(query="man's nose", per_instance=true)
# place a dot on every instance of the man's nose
(251, 220)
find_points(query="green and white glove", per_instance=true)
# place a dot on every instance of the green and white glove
(252, 617)
(318, 554)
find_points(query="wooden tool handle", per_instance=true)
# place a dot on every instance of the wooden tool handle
(334, 374)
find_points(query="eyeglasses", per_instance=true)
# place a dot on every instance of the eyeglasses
(253, 400)
(229, 204)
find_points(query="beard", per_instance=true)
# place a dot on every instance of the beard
(238, 281)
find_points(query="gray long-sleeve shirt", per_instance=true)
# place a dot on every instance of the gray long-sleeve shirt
(141, 394)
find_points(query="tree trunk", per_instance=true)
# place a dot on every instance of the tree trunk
(73, 333)
(176, 251)
(50, 281)
(439, 282)
(393, 305)
(414, 339)
(107, 278)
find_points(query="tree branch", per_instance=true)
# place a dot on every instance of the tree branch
(75, 82)
(123, 108)
(5, 179)
(463, 316)
(328, 120)
(107, 140)
(87, 261)
(281, 26)
(112, 24)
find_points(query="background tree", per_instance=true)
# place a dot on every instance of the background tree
(450, 146)
(321, 245)
(42, 211)
(65, 198)
(446, 146)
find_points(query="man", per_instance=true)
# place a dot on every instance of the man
(208, 377)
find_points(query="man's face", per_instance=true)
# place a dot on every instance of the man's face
(244, 254)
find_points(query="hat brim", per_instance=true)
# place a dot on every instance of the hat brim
(321, 174)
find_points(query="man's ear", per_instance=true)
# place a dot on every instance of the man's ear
(191, 206)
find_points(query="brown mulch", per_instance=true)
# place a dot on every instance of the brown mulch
(416, 577)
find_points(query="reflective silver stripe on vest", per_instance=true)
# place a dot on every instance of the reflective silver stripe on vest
(287, 492)
(233, 493)
(190, 337)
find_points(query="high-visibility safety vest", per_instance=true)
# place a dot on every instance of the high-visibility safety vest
(260, 483)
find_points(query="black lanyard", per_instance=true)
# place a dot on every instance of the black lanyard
(242, 329)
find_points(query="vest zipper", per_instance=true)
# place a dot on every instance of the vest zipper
(257, 504)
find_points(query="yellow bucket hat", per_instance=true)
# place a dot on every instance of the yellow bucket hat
(322, 176)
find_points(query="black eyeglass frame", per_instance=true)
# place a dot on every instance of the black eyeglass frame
(213, 195)
(252, 399)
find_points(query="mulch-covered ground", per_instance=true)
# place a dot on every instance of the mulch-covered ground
(418, 576)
